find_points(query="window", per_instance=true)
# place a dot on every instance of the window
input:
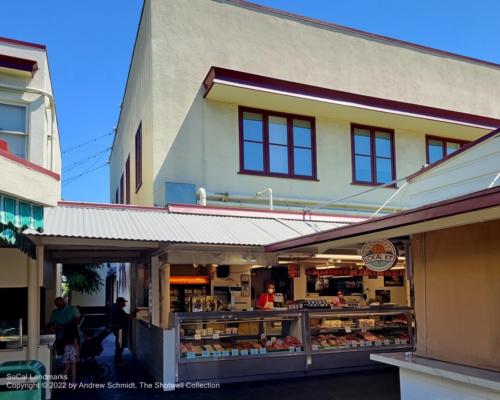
(372, 155)
(117, 196)
(13, 128)
(121, 190)
(277, 144)
(438, 147)
(127, 180)
(138, 158)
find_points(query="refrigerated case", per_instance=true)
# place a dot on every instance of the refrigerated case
(344, 339)
(11, 334)
(238, 346)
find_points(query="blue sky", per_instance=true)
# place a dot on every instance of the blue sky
(90, 44)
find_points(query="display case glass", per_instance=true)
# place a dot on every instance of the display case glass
(11, 335)
(348, 330)
(218, 335)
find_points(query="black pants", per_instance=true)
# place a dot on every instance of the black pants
(119, 348)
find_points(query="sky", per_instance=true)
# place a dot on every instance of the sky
(90, 45)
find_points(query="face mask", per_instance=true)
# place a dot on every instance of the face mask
(270, 291)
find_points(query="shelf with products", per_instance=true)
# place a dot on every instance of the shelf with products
(349, 330)
(239, 335)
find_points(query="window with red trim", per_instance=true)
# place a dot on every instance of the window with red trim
(138, 158)
(277, 144)
(439, 147)
(372, 155)
(127, 180)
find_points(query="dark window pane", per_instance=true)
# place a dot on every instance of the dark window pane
(383, 144)
(278, 159)
(435, 149)
(384, 170)
(451, 147)
(362, 142)
(252, 126)
(278, 130)
(253, 156)
(302, 133)
(302, 161)
(363, 171)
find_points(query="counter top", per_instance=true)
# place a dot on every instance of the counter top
(455, 372)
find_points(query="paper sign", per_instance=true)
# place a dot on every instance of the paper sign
(262, 350)
(361, 342)
(347, 329)
(369, 343)
(216, 335)
(197, 337)
(225, 353)
(387, 342)
(397, 341)
(254, 351)
(263, 336)
(244, 352)
(273, 339)
(363, 328)
(234, 352)
(315, 347)
(269, 343)
(291, 349)
(191, 355)
(378, 343)
(205, 353)
(354, 343)
(216, 353)
(298, 349)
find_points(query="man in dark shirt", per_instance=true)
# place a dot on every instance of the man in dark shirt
(119, 326)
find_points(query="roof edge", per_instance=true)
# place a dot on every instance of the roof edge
(362, 33)
(23, 43)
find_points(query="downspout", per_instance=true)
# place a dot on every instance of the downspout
(202, 194)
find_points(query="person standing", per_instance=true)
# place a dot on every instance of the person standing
(266, 300)
(63, 316)
(119, 326)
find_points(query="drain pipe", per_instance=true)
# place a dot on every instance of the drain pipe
(202, 194)
(270, 191)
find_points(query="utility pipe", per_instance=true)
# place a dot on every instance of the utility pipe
(270, 191)
(202, 194)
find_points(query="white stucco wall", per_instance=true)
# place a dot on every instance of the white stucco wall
(195, 140)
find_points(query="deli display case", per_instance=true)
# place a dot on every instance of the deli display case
(343, 339)
(236, 346)
(11, 334)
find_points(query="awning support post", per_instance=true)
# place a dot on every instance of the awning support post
(35, 268)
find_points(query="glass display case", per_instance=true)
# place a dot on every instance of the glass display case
(11, 334)
(338, 331)
(248, 342)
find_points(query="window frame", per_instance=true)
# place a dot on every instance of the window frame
(444, 141)
(373, 155)
(138, 158)
(26, 132)
(127, 180)
(265, 142)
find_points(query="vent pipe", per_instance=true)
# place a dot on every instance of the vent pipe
(202, 194)
(270, 191)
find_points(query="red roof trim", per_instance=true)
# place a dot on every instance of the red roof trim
(29, 164)
(22, 43)
(241, 211)
(21, 64)
(362, 33)
(245, 78)
(471, 202)
(109, 206)
(465, 147)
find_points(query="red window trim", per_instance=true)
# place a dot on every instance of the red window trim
(373, 157)
(444, 140)
(265, 142)
(127, 180)
(138, 158)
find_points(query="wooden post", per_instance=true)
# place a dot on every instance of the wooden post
(35, 268)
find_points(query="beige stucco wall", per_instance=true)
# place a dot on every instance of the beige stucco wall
(43, 146)
(195, 140)
(457, 282)
(136, 108)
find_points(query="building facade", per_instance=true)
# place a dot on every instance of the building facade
(312, 110)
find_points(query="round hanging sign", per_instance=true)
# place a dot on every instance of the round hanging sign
(379, 255)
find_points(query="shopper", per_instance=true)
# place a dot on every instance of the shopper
(63, 316)
(266, 300)
(71, 350)
(119, 326)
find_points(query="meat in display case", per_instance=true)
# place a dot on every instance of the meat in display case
(253, 344)
(336, 333)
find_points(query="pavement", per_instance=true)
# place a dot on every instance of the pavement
(380, 384)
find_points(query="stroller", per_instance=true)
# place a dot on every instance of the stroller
(89, 369)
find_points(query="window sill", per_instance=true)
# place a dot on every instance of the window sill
(300, 178)
(355, 183)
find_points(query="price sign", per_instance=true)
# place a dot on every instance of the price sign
(234, 352)
(347, 329)
(225, 353)
(369, 343)
(354, 343)
(263, 336)
(273, 339)
(387, 342)
(205, 353)
(361, 342)
(216, 335)
(244, 352)
(298, 349)
(262, 350)
(315, 347)
(216, 353)
(191, 355)
(404, 341)
(197, 337)
(397, 341)
(378, 343)
(291, 349)
(254, 351)
(363, 328)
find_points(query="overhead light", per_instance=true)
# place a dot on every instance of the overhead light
(258, 266)
(250, 258)
(345, 257)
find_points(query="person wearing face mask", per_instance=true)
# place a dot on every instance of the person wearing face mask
(266, 299)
